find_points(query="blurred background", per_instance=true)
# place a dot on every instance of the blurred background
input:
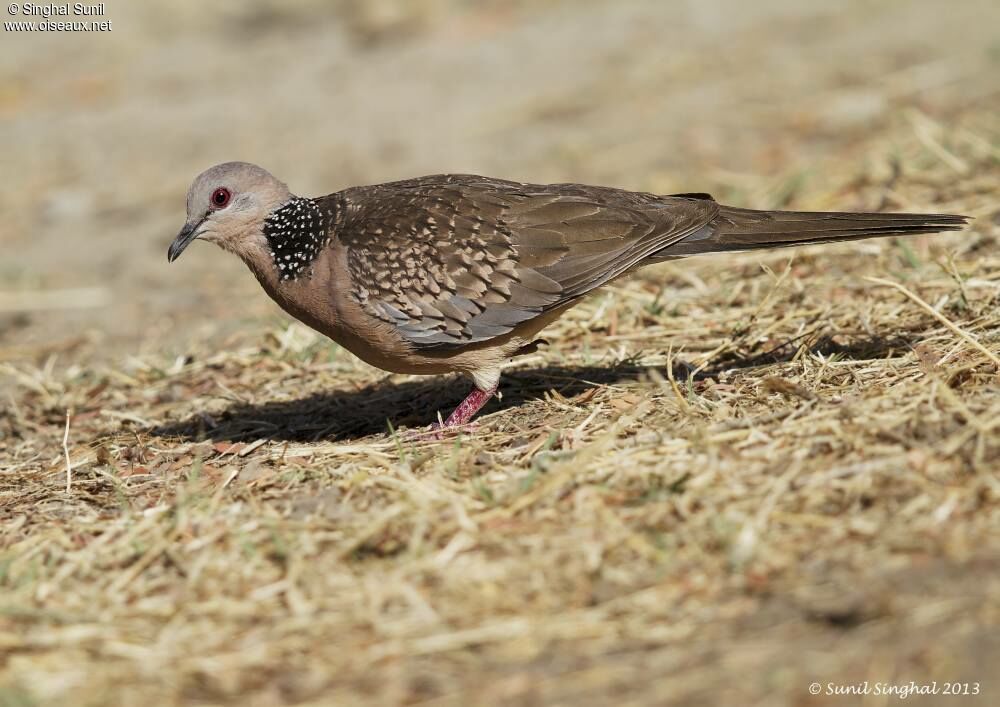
(103, 132)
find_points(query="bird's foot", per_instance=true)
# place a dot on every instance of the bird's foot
(468, 408)
(439, 431)
(460, 417)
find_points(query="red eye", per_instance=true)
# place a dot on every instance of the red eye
(220, 197)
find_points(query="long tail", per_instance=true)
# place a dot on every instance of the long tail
(736, 229)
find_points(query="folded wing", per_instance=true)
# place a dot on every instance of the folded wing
(454, 260)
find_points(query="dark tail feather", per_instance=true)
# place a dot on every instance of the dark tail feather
(745, 229)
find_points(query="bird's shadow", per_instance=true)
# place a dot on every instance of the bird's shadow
(341, 415)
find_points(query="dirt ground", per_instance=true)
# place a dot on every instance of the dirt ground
(726, 479)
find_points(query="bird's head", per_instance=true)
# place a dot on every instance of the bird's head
(227, 205)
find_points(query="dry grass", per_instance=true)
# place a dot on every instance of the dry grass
(725, 479)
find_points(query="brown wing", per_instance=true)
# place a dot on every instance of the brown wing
(452, 260)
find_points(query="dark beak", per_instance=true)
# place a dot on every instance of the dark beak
(182, 241)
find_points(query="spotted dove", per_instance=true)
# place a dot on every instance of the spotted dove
(457, 272)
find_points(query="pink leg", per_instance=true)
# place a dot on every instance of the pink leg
(468, 407)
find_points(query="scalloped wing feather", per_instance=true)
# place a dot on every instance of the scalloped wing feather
(454, 260)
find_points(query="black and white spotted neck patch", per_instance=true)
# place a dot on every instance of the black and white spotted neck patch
(296, 233)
